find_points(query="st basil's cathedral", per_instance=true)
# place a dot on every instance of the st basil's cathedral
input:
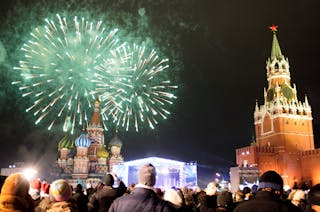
(85, 160)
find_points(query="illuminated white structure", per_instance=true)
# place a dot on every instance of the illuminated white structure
(170, 173)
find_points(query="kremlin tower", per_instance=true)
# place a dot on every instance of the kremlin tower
(283, 129)
(85, 160)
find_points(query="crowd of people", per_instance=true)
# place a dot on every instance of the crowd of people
(21, 195)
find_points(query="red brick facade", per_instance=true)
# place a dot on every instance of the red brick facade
(283, 128)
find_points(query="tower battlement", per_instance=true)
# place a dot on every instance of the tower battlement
(313, 152)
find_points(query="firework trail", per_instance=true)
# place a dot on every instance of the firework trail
(59, 66)
(140, 93)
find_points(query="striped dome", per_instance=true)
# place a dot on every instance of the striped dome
(66, 142)
(82, 141)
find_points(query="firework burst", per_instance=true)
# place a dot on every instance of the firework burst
(140, 93)
(59, 65)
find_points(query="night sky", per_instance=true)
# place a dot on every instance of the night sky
(217, 50)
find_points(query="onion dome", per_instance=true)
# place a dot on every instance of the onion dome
(66, 142)
(115, 141)
(102, 152)
(82, 141)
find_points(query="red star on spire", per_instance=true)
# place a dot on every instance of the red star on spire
(274, 28)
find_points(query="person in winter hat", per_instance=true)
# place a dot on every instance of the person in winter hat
(207, 199)
(45, 187)
(267, 198)
(80, 198)
(147, 175)
(103, 197)
(60, 194)
(60, 190)
(142, 198)
(34, 191)
(14, 194)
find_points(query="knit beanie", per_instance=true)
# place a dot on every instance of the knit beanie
(147, 175)
(314, 195)
(14, 193)
(108, 180)
(271, 179)
(60, 190)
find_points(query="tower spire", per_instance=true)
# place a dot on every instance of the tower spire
(275, 48)
(95, 120)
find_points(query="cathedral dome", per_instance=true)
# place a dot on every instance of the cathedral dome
(102, 152)
(115, 141)
(66, 142)
(82, 141)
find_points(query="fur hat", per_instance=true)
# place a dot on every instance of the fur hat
(14, 194)
(271, 179)
(108, 180)
(173, 196)
(60, 190)
(224, 199)
(147, 175)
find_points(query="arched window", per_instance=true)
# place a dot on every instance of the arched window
(267, 123)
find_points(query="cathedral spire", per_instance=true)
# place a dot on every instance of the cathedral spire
(275, 48)
(95, 120)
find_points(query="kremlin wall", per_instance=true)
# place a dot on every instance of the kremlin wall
(283, 129)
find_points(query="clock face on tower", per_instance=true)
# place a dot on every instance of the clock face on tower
(270, 94)
(287, 92)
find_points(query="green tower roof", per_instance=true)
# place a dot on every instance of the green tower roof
(275, 49)
(66, 142)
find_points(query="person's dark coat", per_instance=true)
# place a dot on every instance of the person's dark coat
(81, 200)
(101, 200)
(140, 200)
(265, 201)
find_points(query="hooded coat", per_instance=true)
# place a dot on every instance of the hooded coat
(14, 195)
